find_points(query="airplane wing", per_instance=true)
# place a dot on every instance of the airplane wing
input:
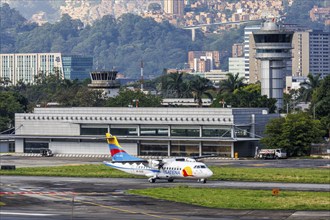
(131, 161)
(204, 156)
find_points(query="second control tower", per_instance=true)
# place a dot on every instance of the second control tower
(273, 48)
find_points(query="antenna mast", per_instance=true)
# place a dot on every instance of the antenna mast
(142, 75)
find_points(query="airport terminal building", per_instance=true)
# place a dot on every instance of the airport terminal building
(142, 131)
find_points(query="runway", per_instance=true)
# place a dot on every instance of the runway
(96, 198)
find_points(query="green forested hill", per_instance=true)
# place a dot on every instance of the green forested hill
(119, 43)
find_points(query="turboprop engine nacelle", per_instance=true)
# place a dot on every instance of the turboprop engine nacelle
(154, 163)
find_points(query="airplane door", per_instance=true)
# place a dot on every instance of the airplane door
(197, 171)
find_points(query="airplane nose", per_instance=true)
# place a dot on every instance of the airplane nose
(210, 173)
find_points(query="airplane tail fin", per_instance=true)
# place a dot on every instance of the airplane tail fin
(117, 152)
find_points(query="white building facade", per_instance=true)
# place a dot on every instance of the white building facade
(142, 131)
(248, 30)
(26, 67)
(237, 65)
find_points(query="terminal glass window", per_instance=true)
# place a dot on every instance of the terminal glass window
(153, 131)
(93, 130)
(154, 148)
(216, 132)
(222, 149)
(123, 131)
(185, 132)
(184, 148)
(34, 146)
(11, 147)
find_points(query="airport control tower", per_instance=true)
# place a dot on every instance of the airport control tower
(273, 48)
(106, 82)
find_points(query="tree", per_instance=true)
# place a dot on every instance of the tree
(248, 96)
(88, 98)
(132, 98)
(294, 133)
(321, 103)
(290, 100)
(231, 83)
(309, 86)
(174, 85)
(199, 87)
(10, 103)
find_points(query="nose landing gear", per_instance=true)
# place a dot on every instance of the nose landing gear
(201, 180)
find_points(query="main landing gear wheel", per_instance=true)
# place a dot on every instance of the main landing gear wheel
(152, 180)
(170, 180)
(202, 180)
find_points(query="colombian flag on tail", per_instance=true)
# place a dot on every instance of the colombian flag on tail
(117, 152)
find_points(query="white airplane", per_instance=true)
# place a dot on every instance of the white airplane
(170, 168)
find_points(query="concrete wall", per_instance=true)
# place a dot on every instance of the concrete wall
(78, 148)
(40, 125)
(19, 145)
(88, 148)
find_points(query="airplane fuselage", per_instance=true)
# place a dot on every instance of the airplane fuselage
(169, 170)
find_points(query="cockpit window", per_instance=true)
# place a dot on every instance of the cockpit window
(203, 167)
(179, 159)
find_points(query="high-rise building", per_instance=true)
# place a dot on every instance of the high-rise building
(77, 67)
(202, 61)
(247, 36)
(175, 7)
(237, 65)
(238, 50)
(310, 52)
(300, 53)
(27, 67)
(319, 53)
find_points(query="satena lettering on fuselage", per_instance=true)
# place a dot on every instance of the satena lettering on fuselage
(169, 168)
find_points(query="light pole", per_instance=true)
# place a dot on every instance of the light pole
(136, 102)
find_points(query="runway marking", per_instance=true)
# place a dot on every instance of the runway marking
(113, 208)
(37, 193)
(258, 165)
(25, 214)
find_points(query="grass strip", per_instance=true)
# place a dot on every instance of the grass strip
(241, 199)
(288, 175)
(88, 170)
